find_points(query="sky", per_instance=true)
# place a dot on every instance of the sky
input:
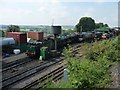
(58, 12)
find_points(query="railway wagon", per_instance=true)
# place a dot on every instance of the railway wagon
(63, 41)
(87, 36)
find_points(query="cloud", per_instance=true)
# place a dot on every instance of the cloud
(108, 20)
(103, 19)
(29, 1)
(36, 13)
(16, 15)
(54, 1)
(89, 12)
(43, 11)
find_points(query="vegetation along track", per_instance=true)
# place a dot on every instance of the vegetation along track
(55, 74)
(24, 75)
(75, 50)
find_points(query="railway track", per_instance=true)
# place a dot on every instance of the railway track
(8, 74)
(10, 61)
(14, 80)
(7, 83)
(54, 75)
(24, 61)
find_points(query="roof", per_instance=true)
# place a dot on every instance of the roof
(17, 32)
(103, 29)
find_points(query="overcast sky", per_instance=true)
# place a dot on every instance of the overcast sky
(63, 12)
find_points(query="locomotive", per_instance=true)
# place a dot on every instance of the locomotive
(62, 41)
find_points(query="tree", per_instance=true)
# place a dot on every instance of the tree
(2, 33)
(106, 25)
(13, 28)
(100, 25)
(85, 24)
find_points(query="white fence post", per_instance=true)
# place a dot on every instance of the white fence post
(65, 77)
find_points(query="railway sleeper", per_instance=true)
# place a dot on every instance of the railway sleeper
(27, 82)
(40, 65)
(45, 77)
(6, 65)
(52, 77)
(19, 77)
(18, 64)
(27, 70)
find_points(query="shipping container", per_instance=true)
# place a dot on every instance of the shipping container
(35, 35)
(19, 37)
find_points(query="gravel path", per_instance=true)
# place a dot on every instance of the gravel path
(115, 73)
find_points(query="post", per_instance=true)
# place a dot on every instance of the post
(55, 42)
(65, 77)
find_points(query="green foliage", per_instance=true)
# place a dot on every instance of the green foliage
(100, 25)
(2, 33)
(106, 25)
(65, 32)
(86, 24)
(88, 74)
(92, 71)
(58, 85)
(107, 48)
(13, 28)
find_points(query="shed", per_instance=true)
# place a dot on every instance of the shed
(19, 37)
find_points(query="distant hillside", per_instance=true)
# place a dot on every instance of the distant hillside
(43, 28)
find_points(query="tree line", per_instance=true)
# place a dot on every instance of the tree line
(13, 28)
(85, 24)
(88, 24)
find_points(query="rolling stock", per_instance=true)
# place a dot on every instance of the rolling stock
(64, 40)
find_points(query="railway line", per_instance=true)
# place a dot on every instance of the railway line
(21, 72)
(21, 69)
(13, 60)
(33, 68)
(23, 75)
(38, 75)
(55, 74)
(24, 61)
